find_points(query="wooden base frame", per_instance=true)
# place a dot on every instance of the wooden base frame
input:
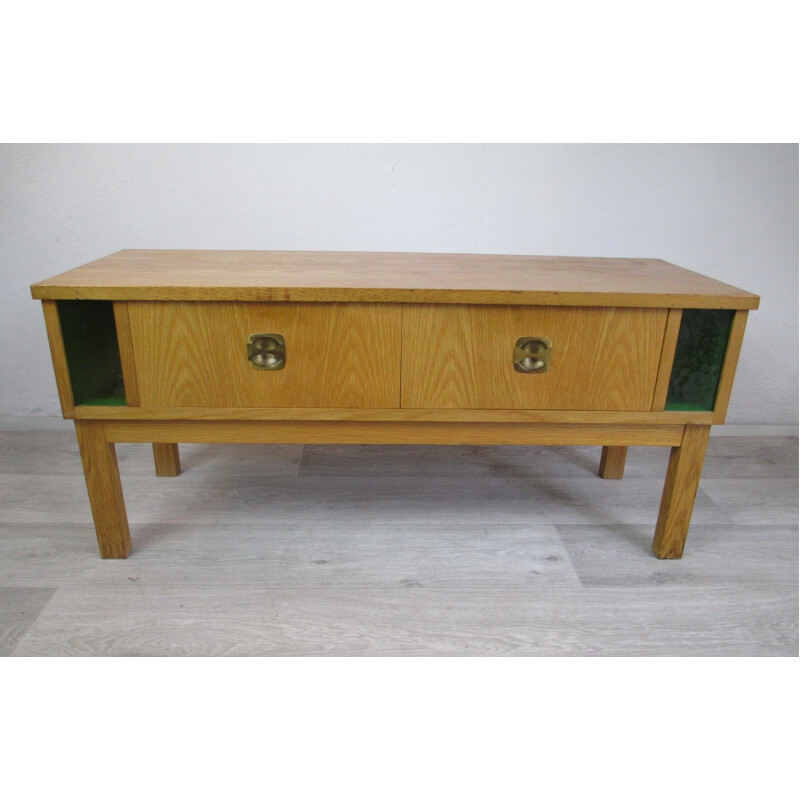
(96, 439)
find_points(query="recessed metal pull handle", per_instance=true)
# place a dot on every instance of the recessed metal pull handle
(266, 351)
(532, 354)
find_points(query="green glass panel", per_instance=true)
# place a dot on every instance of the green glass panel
(90, 341)
(702, 341)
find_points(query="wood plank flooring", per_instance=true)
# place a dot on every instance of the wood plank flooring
(366, 550)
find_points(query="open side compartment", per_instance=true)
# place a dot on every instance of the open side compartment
(90, 339)
(699, 356)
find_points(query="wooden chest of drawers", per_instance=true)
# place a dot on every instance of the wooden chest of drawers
(252, 346)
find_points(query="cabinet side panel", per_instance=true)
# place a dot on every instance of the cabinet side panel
(127, 359)
(729, 367)
(59, 357)
(667, 358)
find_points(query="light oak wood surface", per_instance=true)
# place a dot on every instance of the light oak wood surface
(391, 348)
(669, 344)
(612, 462)
(671, 418)
(167, 459)
(680, 489)
(105, 490)
(337, 355)
(59, 356)
(291, 432)
(391, 278)
(729, 366)
(459, 356)
(126, 355)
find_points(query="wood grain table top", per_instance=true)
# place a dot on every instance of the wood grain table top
(297, 276)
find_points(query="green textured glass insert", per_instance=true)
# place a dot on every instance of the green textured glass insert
(702, 341)
(90, 341)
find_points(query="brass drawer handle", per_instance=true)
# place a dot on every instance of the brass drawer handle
(266, 351)
(533, 354)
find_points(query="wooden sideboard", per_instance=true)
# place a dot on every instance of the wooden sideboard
(169, 346)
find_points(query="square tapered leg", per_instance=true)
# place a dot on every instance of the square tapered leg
(168, 460)
(680, 490)
(105, 490)
(612, 462)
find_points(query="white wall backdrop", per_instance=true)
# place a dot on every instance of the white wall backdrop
(729, 211)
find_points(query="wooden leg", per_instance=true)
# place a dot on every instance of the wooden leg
(680, 490)
(612, 461)
(105, 490)
(168, 460)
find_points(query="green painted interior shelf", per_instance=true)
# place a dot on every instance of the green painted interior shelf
(90, 342)
(700, 352)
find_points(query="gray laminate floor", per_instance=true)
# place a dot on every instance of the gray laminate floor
(329, 550)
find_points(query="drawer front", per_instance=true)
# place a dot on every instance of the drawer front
(603, 359)
(195, 354)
